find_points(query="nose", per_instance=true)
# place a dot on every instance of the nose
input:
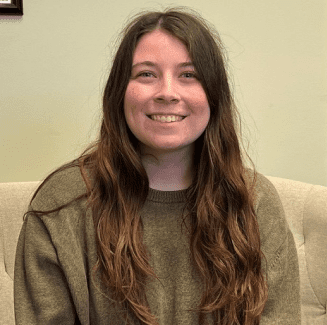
(167, 91)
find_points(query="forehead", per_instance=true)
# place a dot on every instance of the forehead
(160, 45)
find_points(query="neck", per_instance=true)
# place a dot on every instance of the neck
(169, 171)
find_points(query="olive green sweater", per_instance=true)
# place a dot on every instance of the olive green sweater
(56, 253)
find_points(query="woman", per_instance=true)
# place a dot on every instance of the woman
(103, 240)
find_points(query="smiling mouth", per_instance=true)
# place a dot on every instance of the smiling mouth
(166, 120)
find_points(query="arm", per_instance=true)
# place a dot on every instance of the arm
(284, 303)
(41, 292)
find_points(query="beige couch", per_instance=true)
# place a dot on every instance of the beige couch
(305, 208)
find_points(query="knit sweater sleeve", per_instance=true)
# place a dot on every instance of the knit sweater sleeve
(284, 304)
(41, 292)
(49, 281)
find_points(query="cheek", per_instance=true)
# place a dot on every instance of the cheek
(131, 101)
(133, 105)
(128, 105)
(137, 93)
(129, 96)
(197, 96)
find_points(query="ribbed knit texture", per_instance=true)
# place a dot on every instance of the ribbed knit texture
(56, 253)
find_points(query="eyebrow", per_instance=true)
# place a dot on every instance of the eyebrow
(152, 64)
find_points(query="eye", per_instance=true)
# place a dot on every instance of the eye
(189, 75)
(145, 74)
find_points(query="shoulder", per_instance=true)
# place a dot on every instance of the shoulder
(60, 187)
(264, 190)
(269, 211)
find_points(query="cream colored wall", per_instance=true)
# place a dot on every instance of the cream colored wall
(54, 62)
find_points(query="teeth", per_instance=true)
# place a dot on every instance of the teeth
(166, 118)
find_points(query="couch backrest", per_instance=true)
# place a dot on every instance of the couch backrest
(15, 198)
(305, 207)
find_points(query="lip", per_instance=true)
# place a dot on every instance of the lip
(176, 114)
(166, 124)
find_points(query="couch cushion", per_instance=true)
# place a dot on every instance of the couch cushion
(305, 208)
(15, 198)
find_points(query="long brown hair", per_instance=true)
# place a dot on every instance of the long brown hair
(224, 238)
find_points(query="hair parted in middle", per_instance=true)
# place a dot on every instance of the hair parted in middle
(224, 238)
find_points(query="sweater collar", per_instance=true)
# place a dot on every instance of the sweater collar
(167, 196)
